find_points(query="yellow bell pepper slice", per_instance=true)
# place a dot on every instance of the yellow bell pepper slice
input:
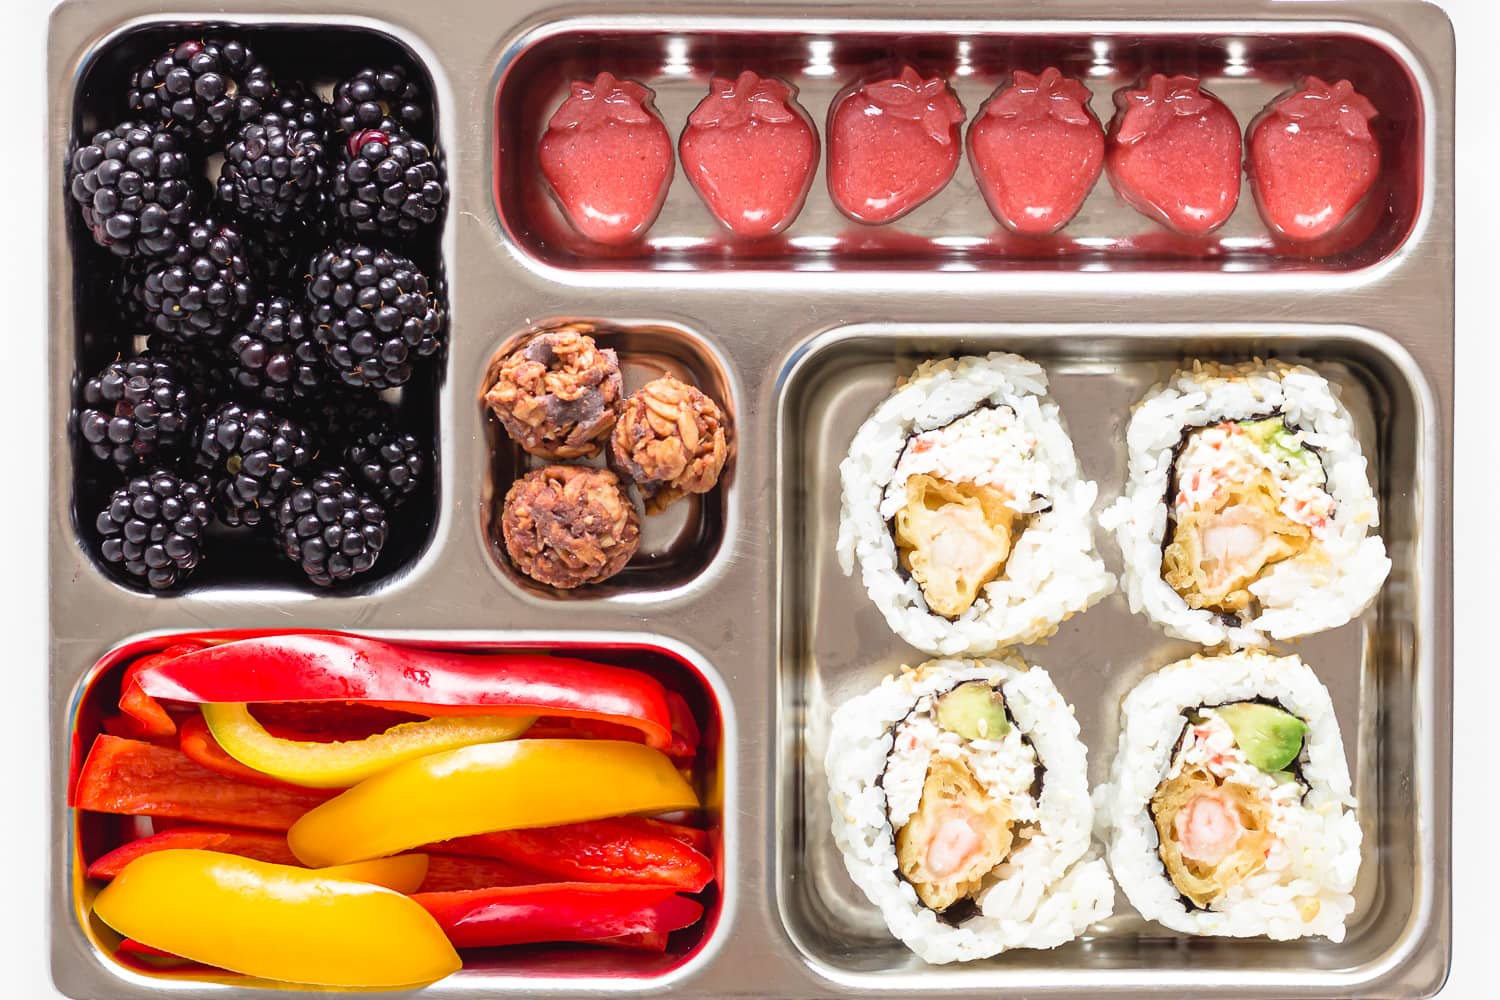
(486, 788)
(404, 873)
(341, 764)
(276, 922)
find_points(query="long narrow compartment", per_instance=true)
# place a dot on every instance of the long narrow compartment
(834, 643)
(953, 231)
(107, 328)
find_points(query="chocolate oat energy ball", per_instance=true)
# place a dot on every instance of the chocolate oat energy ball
(567, 526)
(671, 440)
(557, 394)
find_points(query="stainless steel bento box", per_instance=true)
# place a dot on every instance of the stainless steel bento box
(800, 341)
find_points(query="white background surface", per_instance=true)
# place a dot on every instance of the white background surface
(23, 439)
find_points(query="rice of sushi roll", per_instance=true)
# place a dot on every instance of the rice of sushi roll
(964, 506)
(1228, 811)
(960, 802)
(1248, 512)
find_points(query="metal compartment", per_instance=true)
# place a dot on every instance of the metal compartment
(953, 230)
(680, 669)
(680, 542)
(835, 644)
(100, 336)
(759, 320)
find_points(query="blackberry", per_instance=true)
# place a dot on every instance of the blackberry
(380, 99)
(133, 185)
(330, 528)
(154, 526)
(389, 462)
(299, 108)
(254, 455)
(373, 312)
(201, 90)
(284, 251)
(203, 370)
(274, 173)
(136, 411)
(387, 184)
(203, 287)
(274, 354)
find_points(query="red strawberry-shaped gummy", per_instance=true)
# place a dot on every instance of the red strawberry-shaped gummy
(608, 159)
(1312, 158)
(749, 151)
(1174, 154)
(892, 144)
(1036, 150)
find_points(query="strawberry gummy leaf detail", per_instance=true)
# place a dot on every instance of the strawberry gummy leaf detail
(1318, 105)
(590, 105)
(1163, 98)
(913, 99)
(731, 103)
(1029, 98)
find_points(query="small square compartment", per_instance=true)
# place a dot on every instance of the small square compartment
(1381, 668)
(677, 544)
(89, 946)
(98, 336)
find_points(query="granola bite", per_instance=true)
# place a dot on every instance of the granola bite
(671, 440)
(557, 394)
(567, 525)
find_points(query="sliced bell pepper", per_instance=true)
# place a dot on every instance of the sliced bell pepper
(450, 873)
(279, 923)
(328, 667)
(557, 911)
(620, 850)
(403, 873)
(345, 763)
(653, 941)
(194, 740)
(256, 844)
(149, 718)
(142, 779)
(488, 787)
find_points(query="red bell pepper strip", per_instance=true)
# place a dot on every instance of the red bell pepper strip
(558, 911)
(141, 957)
(142, 779)
(445, 873)
(621, 851)
(685, 734)
(653, 941)
(257, 844)
(325, 667)
(690, 835)
(451, 873)
(198, 744)
(147, 715)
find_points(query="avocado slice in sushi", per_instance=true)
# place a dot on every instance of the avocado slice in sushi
(973, 710)
(1270, 737)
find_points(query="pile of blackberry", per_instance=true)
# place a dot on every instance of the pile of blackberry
(267, 315)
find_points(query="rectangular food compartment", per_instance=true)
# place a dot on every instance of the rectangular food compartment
(93, 834)
(1245, 63)
(1381, 668)
(677, 544)
(100, 328)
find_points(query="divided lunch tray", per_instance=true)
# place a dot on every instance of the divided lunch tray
(740, 596)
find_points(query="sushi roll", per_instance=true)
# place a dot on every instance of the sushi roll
(1248, 512)
(960, 801)
(1228, 810)
(964, 507)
